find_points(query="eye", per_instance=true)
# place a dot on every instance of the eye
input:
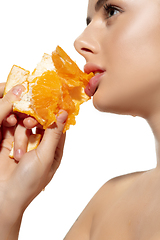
(111, 10)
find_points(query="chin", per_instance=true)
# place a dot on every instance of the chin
(100, 104)
(110, 105)
(106, 101)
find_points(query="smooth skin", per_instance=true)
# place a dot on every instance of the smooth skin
(21, 182)
(125, 42)
(22, 130)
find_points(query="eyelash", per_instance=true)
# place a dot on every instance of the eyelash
(109, 7)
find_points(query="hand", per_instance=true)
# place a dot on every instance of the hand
(6, 138)
(11, 119)
(26, 123)
(21, 183)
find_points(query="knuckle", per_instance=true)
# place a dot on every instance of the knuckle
(38, 155)
(58, 155)
(57, 134)
(6, 100)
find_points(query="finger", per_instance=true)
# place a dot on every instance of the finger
(30, 122)
(40, 130)
(34, 168)
(46, 149)
(56, 161)
(59, 149)
(57, 156)
(20, 141)
(2, 87)
(7, 100)
(9, 125)
(10, 121)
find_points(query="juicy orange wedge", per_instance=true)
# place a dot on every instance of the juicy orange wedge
(59, 87)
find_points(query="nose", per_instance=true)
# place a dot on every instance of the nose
(87, 43)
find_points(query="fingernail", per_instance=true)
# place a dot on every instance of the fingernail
(62, 116)
(18, 154)
(17, 90)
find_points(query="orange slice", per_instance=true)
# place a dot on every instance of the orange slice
(56, 83)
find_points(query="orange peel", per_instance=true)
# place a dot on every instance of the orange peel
(56, 83)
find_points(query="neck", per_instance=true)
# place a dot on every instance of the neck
(154, 123)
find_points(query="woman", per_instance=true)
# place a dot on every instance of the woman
(121, 45)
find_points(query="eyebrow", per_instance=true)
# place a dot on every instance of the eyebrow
(99, 4)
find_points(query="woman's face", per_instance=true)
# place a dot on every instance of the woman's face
(122, 42)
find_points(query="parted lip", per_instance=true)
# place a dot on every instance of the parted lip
(90, 67)
(93, 84)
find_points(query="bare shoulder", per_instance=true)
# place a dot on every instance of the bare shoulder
(111, 191)
(99, 203)
(122, 182)
(116, 186)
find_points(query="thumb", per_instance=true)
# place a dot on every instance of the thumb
(6, 103)
(47, 147)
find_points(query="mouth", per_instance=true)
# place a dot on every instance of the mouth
(94, 82)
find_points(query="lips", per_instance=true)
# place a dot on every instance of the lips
(94, 81)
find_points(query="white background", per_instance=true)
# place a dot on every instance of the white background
(99, 147)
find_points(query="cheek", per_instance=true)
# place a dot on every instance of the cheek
(134, 44)
(132, 58)
(127, 90)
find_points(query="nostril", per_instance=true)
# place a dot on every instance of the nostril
(86, 50)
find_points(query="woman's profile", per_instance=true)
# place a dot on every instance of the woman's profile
(121, 45)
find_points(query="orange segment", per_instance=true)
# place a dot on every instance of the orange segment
(57, 83)
(46, 95)
(68, 70)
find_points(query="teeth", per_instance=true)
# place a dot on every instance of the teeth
(96, 73)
